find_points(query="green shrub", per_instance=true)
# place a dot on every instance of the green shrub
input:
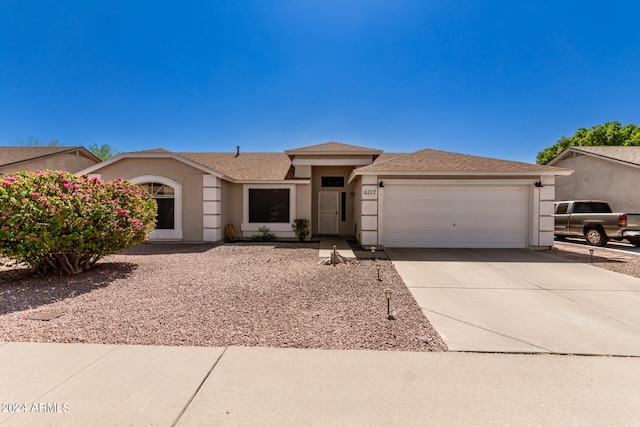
(263, 235)
(56, 222)
(301, 227)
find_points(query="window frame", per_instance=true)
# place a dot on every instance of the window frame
(176, 232)
(330, 181)
(280, 229)
(259, 216)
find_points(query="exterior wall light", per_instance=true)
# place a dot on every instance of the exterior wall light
(381, 184)
(539, 184)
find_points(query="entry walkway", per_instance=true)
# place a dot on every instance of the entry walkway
(501, 300)
(89, 384)
(326, 247)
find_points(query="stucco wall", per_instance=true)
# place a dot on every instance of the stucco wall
(345, 228)
(188, 177)
(598, 179)
(231, 205)
(69, 162)
(303, 202)
(357, 209)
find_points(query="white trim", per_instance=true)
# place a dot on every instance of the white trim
(487, 181)
(556, 172)
(176, 232)
(280, 229)
(333, 161)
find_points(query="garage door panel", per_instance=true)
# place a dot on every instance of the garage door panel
(455, 216)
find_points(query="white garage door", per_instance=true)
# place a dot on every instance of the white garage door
(450, 216)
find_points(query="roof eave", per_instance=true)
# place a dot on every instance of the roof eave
(577, 150)
(557, 172)
(273, 181)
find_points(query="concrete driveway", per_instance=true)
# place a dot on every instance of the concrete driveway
(505, 300)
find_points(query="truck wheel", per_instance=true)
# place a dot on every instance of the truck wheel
(595, 237)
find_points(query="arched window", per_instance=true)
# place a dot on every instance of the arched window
(168, 194)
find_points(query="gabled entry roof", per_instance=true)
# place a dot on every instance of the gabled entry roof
(333, 148)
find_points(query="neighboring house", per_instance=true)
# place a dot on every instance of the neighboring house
(607, 173)
(424, 199)
(71, 159)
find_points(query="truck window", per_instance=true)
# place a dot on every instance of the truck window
(561, 208)
(591, 207)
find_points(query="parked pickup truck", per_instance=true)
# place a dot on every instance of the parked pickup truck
(594, 220)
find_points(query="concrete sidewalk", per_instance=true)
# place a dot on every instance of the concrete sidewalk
(87, 384)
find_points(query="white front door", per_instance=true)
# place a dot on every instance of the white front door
(328, 212)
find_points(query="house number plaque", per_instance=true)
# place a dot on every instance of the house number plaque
(369, 192)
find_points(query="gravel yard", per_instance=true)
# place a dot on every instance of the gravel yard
(273, 295)
(619, 262)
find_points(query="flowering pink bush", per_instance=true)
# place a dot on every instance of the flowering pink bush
(57, 222)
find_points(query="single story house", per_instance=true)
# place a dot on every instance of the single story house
(601, 173)
(71, 159)
(428, 198)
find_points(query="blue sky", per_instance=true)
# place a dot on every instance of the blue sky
(496, 78)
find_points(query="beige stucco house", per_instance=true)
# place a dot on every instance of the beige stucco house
(424, 199)
(71, 159)
(601, 173)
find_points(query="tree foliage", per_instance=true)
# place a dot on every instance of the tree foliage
(609, 133)
(56, 222)
(104, 151)
(35, 142)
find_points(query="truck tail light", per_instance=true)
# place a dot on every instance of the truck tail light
(622, 221)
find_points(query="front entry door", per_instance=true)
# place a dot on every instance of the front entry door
(328, 212)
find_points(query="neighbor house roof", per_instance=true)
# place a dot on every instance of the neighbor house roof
(435, 161)
(10, 155)
(624, 154)
(333, 148)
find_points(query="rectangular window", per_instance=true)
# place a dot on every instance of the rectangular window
(269, 205)
(343, 207)
(562, 208)
(332, 181)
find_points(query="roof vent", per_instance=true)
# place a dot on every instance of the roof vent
(237, 150)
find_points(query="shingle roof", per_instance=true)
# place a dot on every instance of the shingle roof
(329, 148)
(429, 160)
(627, 154)
(246, 166)
(16, 154)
